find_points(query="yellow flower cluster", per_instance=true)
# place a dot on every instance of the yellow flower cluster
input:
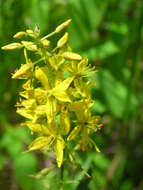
(55, 99)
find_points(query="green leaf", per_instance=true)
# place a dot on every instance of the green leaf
(101, 161)
(120, 28)
(115, 93)
(24, 165)
(98, 107)
(101, 51)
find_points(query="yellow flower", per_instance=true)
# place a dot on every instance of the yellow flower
(81, 69)
(56, 101)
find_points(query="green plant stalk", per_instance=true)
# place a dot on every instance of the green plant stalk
(61, 187)
(48, 36)
(135, 73)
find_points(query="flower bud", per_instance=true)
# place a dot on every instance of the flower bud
(62, 26)
(62, 41)
(29, 45)
(72, 56)
(12, 46)
(19, 35)
(46, 43)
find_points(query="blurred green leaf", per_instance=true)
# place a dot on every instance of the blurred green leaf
(12, 145)
(101, 161)
(24, 165)
(98, 107)
(99, 180)
(120, 28)
(115, 93)
(101, 51)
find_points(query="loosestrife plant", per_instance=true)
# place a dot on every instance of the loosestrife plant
(55, 99)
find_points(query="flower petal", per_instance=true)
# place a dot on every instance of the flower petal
(40, 74)
(40, 143)
(74, 132)
(50, 108)
(59, 147)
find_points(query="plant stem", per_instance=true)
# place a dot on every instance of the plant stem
(48, 36)
(61, 177)
(135, 72)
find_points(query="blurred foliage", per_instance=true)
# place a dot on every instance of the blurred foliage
(110, 34)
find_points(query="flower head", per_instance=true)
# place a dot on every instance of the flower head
(55, 100)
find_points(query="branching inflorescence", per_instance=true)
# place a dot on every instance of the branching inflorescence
(55, 101)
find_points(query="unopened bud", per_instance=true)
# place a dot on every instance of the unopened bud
(29, 45)
(72, 56)
(62, 26)
(30, 33)
(19, 35)
(12, 46)
(46, 43)
(63, 40)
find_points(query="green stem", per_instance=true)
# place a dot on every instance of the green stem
(61, 177)
(135, 72)
(48, 36)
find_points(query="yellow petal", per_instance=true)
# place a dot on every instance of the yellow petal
(12, 46)
(60, 75)
(41, 110)
(59, 90)
(29, 104)
(27, 84)
(40, 143)
(27, 94)
(38, 128)
(53, 128)
(65, 123)
(23, 112)
(24, 94)
(74, 67)
(72, 56)
(24, 69)
(63, 86)
(79, 108)
(59, 147)
(40, 74)
(61, 96)
(73, 133)
(50, 108)
(52, 61)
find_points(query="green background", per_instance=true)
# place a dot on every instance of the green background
(110, 34)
